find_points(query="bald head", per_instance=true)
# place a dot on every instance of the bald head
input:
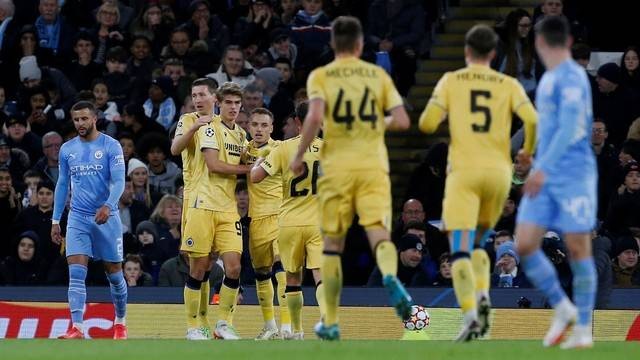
(412, 211)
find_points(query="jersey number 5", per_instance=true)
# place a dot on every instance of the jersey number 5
(366, 111)
(304, 175)
(475, 94)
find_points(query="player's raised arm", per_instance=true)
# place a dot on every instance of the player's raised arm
(60, 195)
(183, 136)
(436, 110)
(310, 129)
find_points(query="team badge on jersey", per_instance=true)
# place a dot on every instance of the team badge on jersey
(189, 242)
(98, 154)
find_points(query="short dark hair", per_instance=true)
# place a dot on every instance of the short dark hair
(581, 51)
(46, 184)
(415, 225)
(263, 111)
(152, 141)
(481, 40)
(81, 105)
(5, 168)
(241, 186)
(301, 110)
(283, 60)
(502, 233)
(32, 173)
(134, 258)
(345, 32)
(210, 83)
(555, 30)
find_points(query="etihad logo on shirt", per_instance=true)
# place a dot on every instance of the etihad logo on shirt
(86, 170)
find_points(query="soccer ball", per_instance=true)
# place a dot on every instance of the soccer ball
(419, 319)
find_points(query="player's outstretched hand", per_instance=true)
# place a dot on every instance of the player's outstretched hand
(56, 234)
(534, 183)
(102, 215)
(297, 166)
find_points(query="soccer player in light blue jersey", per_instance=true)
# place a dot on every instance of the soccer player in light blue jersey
(92, 165)
(560, 193)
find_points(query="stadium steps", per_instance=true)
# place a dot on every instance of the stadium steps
(406, 150)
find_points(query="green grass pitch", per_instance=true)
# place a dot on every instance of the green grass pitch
(353, 349)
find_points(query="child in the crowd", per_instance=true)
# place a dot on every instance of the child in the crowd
(133, 273)
(160, 106)
(31, 179)
(154, 148)
(101, 93)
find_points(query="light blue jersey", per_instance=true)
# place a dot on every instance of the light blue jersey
(95, 173)
(567, 200)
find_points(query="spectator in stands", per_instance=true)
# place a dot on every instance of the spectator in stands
(133, 273)
(427, 180)
(128, 146)
(8, 28)
(31, 179)
(22, 139)
(141, 64)
(507, 219)
(581, 53)
(194, 55)
(155, 148)
(31, 75)
(107, 30)
(28, 44)
(444, 272)
(15, 160)
(516, 54)
(506, 273)
(37, 218)
(630, 76)
(412, 210)
(606, 158)
(311, 32)
(281, 47)
(520, 172)
(132, 212)
(174, 272)
(409, 257)
(491, 247)
(154, 26)
(24, 266)
(626, 270)
(118, 82)
(160, 107)
(54, 32)
(276, 98)
(174, 69)
(624, 206)
(433, 239)
(252, 97)
(82, 70)
(602, 257)
(257, 25)
(139, 173)
(153, 250)
(207, 27)
(613, 103)
(137, 124)
(243, 121)
(234, 68)
(10, 206)
(289, 83)
(109, 109)
(556, 8)
(397, 28)
(36, 101)
(167, 217)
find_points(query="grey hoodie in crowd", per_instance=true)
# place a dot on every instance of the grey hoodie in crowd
(165, 183)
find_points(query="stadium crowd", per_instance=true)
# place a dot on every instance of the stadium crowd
(136, 60)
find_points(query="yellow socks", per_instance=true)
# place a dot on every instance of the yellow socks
(295, 301)
(228, 298)
(264, 289)
(285, 316)
(320, 299)
(387, 258)
(192, 301)
(481, 264)
(203, 309)
(332, 283)
(464, 283)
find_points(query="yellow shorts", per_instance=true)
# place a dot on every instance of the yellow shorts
(185, 208)
(342, 195)
(263, 241)
(209, 231)
(300, 246)
(474, 198)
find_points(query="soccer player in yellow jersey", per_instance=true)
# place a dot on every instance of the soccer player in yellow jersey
(185, 143)
(479, 103)
(299, 240)
(212, 218)
(352, 97)
(264, 205)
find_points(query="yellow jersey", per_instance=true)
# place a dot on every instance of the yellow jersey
(356, 95)
(189, 170)
(265, 197)
(480, 102)
(299, 200)
(217, 191)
